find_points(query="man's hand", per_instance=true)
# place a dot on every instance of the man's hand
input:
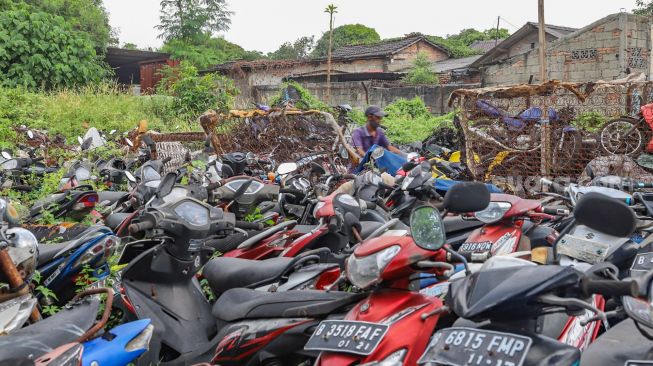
(360, 151)
(394, 149)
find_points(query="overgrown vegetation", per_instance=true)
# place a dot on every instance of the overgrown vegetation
(303, 100)
(409, 120)
(459, 44)
(591, 121)
(207, 51)
(345, 35)
(421, 72)
(193, 93)
(42, 50)
(104, 106)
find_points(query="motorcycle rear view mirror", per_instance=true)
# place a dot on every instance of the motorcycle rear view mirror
(129, 142)
(30, 134)
(286, 168)
(166, 185)
(130, 176)
(466, 197)
(80, 141)
(6, 155)
(427, 228)
(112, 132)
(591, 211)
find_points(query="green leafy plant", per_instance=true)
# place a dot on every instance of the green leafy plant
(306, 99)
(193, 93)
(590, 121)
(205, 51)
(345, 35)
(421, 72)
(40, 50)
(409, 120)
(85, 279)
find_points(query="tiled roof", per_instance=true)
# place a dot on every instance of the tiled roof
(485, 46)
(555, 30)
(380, 49)
(454, 63)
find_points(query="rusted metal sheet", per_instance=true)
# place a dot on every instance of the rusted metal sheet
(150, 76)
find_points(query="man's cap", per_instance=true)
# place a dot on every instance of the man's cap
(374, 111)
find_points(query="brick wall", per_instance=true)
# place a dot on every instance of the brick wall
(605, 50)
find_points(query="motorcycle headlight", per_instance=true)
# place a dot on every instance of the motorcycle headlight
(193, 213)
(14, 312)
(9, 164)
(396, 358)
(640, 310)
(366, 271)
(378, 152)
(493, 212)
(28, 246)
(141, 341)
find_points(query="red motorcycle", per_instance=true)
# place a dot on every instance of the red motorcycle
(394, 323)
(512, 225)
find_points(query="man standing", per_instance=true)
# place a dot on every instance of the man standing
(371, 134)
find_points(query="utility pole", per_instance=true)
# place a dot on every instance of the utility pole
(496, 36)
(331, 9)
(542, 33)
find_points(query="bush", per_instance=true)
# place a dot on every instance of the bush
(421, 72)
(40, 50)
(306, 99)
(194, 94)
(207, 51)
(591, 121)
(409, 121)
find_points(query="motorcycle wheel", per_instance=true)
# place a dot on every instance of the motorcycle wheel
(566, 148)
(621, 137)
(525, 139)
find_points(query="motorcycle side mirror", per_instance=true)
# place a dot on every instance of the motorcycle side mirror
(427, 228)
(590, 211)
(166, 185)
(130, 176)
(80, 141)
(129, 142)
(30, 134)
(112, 132)
(6, 155)
(467, 197)
(286, 168)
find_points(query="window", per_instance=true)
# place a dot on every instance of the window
(532, 45)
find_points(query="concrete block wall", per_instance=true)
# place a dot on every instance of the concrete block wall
(614, 41)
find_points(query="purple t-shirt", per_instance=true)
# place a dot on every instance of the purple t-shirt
(361, 138)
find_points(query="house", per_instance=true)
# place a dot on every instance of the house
(485, 46)
(607, 49)
(457, 70)
(386, 60)
(137, 68)
(520, 42)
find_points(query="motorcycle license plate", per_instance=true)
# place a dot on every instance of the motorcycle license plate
(360, 338)
(480, 247)
(638, 363)
(586, 250)
(466, 346)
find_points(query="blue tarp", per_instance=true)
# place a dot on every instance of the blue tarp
(389, 162)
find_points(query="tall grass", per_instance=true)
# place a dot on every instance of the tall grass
(104, 106)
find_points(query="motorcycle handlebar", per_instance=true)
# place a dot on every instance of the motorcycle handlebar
(640, 185)
(555, 211)
(141, 226)
(609, 287)
(249, 225)
(166, 160)
(40, 158)
(555, 187)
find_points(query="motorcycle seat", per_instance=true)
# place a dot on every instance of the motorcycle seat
(227, 273)
(241, 303)
(110, 196)
(41, 337)
(45, 202)
(115, 219)
(47, 252)
(453, 224)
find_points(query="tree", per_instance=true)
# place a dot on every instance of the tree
(345, 35)
(38, 49)
(458, 44)
(88, 16)
(205, 51)
(421, 72)
(644, 8)
(130, 46)
(330, 9)
(189, 19)
(299, 49)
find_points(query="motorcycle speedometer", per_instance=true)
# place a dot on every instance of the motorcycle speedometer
(193, 213)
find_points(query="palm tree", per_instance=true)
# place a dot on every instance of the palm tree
(331, 9)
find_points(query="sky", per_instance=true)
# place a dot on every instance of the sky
(263, 25)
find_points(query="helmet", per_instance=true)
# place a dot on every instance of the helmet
(23, 250)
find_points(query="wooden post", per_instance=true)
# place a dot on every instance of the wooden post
(545, 130)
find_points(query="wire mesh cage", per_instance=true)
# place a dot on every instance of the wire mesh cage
(516, 135)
